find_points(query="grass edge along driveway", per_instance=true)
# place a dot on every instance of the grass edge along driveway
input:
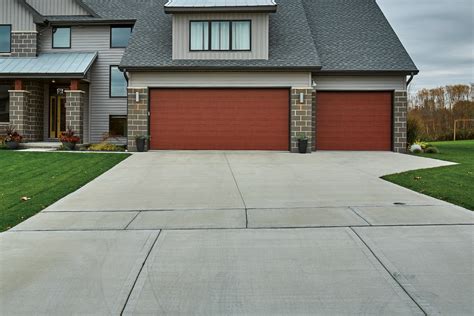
(454, 184)
(44, 178)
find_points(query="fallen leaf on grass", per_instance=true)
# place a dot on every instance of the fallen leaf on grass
(25, 198)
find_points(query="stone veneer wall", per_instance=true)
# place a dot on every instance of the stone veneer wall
(26, 110)
(313, 120)
(35, 111)
(301, 116)
(19, 111)
(137, 118)
(75, 100)
(24, 44)
(400, 109)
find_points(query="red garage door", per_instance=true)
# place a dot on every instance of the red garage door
(219, 119)
(354, 120)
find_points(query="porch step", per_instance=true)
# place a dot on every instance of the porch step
(40, 145)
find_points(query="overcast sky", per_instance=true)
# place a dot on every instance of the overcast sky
(439, 36)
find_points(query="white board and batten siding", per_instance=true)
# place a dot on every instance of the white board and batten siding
(94, 38)
(12, 12)
(219, 79)
(57, 7)
(362, 83)
(259, 36)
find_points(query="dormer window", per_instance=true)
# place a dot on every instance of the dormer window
(220, 35)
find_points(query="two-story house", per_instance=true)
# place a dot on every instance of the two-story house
(199, 74)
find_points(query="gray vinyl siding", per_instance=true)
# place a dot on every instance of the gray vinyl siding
(94, 38)
(12, 12)
(219, 79)
(259, 45)
(367, 83)
(57, 7)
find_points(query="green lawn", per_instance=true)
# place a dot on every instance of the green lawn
(454, 184)
(44, 178)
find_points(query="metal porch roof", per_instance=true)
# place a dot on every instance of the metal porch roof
(48, 65)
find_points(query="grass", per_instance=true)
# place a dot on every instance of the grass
(44, 178)
(454, 184)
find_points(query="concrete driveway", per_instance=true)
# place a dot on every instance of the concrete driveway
(255, 233)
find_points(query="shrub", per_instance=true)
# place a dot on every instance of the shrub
(104, 146)
(432, 150)
(69, 137)
(414, 128)
(12, 135)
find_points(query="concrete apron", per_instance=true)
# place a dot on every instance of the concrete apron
(263, 236)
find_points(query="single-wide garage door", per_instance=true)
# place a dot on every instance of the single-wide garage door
(354, 120)
(219, 119)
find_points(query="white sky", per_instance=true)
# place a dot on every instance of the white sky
(438, 35)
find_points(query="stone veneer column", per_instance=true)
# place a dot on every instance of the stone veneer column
(75, 111)
(400, 108)
(137, 118)
(24, 44)
(313, 120)
(301, 116)
(19, 111)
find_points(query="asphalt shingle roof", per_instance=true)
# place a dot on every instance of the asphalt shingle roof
(331, 35)
(291, 44)
(355, 36)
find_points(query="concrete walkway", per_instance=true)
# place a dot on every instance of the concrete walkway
(254, 233)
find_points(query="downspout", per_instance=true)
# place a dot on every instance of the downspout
(410, 79)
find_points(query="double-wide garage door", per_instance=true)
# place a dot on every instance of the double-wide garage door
(219, 119)
(258, 119)
(354, 121)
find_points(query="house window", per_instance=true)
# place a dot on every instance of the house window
(199, 35)
(61, 37)
(4, 104)
(5, 38)
(119, 36)
(241, 35)
(118, 125)
(118, 83)
(220, 35)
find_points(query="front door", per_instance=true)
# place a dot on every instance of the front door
(57, 116)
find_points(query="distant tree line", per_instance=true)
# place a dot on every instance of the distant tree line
(432, 113)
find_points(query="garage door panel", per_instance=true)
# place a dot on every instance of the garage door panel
(219, 119)
(354, 120)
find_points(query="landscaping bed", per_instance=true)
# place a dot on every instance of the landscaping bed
(32, 181)
(454, 184)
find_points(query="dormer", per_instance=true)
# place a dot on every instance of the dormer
(220, 29)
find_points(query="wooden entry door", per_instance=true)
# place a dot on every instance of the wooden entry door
(57, 116)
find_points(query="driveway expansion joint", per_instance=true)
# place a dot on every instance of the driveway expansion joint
(236, 184)
(139, 272)
(390, 273)
(356, 212)
(131, 221)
